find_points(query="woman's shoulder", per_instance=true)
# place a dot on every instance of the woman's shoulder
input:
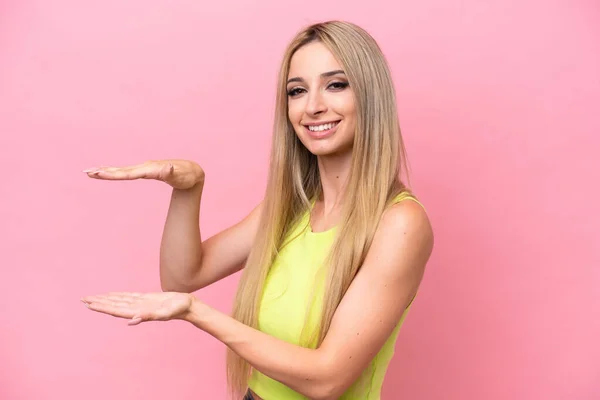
(406, 194)
(407, 213)
(404, 234)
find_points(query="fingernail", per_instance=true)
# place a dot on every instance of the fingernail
(89, 170)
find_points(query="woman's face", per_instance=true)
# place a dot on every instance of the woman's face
(320, 101)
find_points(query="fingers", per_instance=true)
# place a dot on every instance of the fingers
(135, 321)
(159, 170)
(112, 309)
(118, 304)
(125, 296)
(111, 302)
(115, 298)
(103, 301)
(112, 173)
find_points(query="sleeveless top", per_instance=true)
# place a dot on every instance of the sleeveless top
(291, 281)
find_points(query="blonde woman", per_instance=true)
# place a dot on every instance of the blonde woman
(332, 257)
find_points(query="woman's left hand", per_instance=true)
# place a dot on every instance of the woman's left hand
(141, 307)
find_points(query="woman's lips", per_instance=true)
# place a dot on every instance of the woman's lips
(324, 133)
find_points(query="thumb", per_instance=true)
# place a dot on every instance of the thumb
(136, 320)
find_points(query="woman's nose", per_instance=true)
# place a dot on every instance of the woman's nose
(316, 103)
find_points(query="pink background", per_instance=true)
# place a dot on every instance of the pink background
(499, 104)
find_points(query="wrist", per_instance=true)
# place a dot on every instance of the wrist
(196, 313)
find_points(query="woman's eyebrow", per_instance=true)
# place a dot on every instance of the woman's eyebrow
(323, 75)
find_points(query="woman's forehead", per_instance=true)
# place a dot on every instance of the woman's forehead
(312, 60)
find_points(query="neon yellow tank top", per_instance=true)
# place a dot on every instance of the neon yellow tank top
(285, 301)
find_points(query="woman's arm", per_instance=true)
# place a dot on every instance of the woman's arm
(365, 318)
(187, 263)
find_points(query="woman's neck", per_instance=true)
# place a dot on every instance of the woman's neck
(334, 171)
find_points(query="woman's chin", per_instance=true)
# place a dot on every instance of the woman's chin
(322, 150)
(329, 146)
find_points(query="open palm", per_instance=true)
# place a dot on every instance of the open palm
(140, 307)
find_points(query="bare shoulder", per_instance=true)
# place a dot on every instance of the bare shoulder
(404, 239)
(408, 217)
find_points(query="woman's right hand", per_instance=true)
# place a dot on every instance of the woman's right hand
(180, 174)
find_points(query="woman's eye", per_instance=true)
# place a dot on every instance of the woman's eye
(334, 85)
(338, 85)
(293, 92)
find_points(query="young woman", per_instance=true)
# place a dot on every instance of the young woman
(334, 254)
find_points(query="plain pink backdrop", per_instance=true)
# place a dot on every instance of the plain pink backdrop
(499, 104)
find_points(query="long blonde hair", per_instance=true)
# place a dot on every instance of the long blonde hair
(378, 158)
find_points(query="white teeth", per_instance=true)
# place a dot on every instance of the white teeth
(319, 128)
